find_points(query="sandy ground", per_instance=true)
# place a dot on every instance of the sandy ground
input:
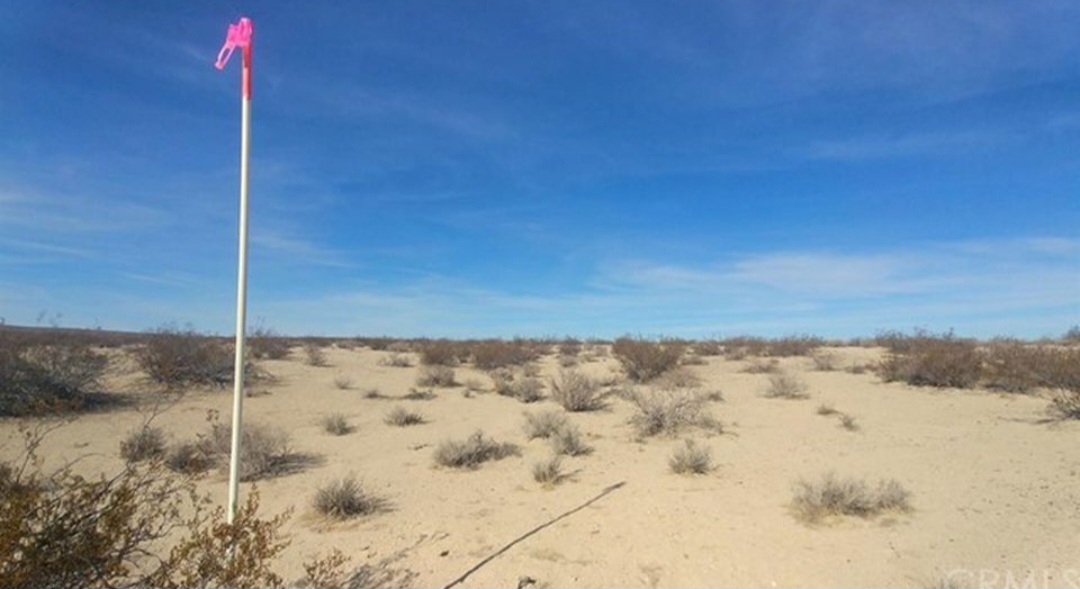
(995, 486)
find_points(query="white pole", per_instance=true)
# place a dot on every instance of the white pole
(241, 292)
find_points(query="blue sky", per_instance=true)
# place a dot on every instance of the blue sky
(595, 168)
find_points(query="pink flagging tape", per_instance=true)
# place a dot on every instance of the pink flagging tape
(239, 35)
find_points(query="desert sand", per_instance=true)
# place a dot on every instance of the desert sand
(995, 486)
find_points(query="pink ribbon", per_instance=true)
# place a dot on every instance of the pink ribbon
(239, 35)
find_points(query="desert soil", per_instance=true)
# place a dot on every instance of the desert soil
(995, 486)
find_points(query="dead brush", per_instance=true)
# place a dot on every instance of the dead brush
(396, 360)
(548, 472)
(436, 376)
(644, 360)
(402, 417)
(568, 441)
(314, 355)
(786, 386)
(1065, 405)
(936, 361)
(762, 366)
(691, 459)
(576, 392)
(681, 377)
(543, 424)
(264, 449)
(526, 389)
(472, 452)
(143, 444)
(345, 498)
(668, 412)
(833, 496)
(336, 424)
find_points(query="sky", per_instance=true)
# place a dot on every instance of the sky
(521, 168)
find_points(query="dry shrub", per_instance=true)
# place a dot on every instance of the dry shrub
(569, 347)
(680, 377)
(436, 376)
(691, 459)
(1065, 404)
(336, 424)
(568, 361)
(42, 378)
(1017, 367)
(493, 354)
(543, 424)
(345, 498)
(848, 422)
(794, 345)
(709, 347)
(64, 530)
(568, 441)
(396, 360)
(472, 452)
(188, 458)
(693, 360)
(826, 409)
(937, 361)
(343, 383)
(440, 353)
(143, 444)
(834, 496)
(314, 355)
(644, 360)
(548, 472)
(402, 417)
(576, 392)
(825, 361)
(525, 389)
(418, 395)
(179, 358)
(762, 366)
(265, 344)
(264, 449)
(786, 386)
(740, 347)
(668, 412)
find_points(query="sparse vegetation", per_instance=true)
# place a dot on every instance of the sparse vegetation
(188, 458)
(644, 360)
(568, 441)
(848, 422)
(472, 452)
(668, 412)
(264, 450)
(439, 353)
(826, 409)
(345, 498)
(343, 383)
(402, 417)
(143, 444)
(180, 358)
(575, 391)
(526, 389)
(762, 366)
(786, 386)
(314, 355)
(396, 360)
(1066, 404)
(436, 376)
(38, 378)
(493, 354)
(548, 472)
(680, 377)
(825, 361)
(265, 344)
(835, 496)
(543, 424)
(336, 424)
(691, 459)
(928, 360)
(419, 395)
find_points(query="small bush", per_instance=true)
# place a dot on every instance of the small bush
(436, 376)
(474, 385)
(396, 360)
(40, 378)
(937, 361)
(264, 450)
(786, 386)
(762, 366)
(143, 444)
(374, 393)
(667, 412)
(826, 409)
(568, 441)
(492, 354)
(418, 395)
(825, 361)
(569, 347)
(344, 498)
(176, 358)
(708, 347)
(314, 355)
(188, 458)
(575, 391)
(693, 360)
(680, 377)
(834, 496)
(343, 383)
(265, 344)
(1017, 367)
(1066, 404)
(691, 459)
(336, 424)
(848, 422)
(794, 345)
(526, 389)
(439, 353)
(548, 472)
(543, 424)
(472, 452)
(402, 417)
(644, 360)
